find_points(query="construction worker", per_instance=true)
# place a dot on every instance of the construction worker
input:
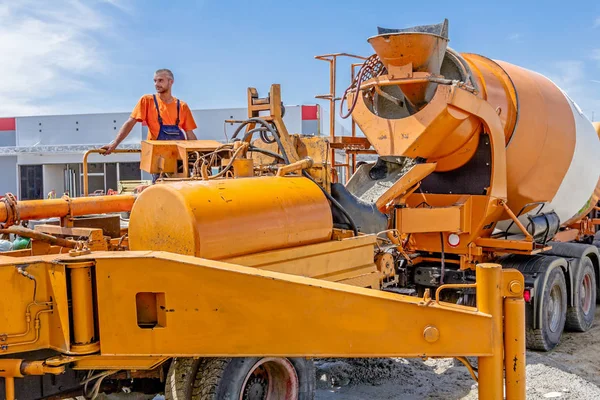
(167, 117)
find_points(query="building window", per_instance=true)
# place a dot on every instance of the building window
(110, 176)
(96, 182)
(105, 176)
(130, 171)
(32, 182)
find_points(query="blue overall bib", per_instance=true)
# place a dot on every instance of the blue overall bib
(167, 132)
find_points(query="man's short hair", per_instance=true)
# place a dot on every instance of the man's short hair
(165, 71)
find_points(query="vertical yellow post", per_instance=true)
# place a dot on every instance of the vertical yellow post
(489, 301)
(514, 348)
(9, 387)
(83, 307)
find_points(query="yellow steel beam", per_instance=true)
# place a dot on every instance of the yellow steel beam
(505, 244)
(153, 305)
(214, 309)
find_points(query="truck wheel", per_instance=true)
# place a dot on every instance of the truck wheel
(580, 316)
(553, 309)
(267, 378)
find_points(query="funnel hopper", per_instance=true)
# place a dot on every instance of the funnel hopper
(423, 46)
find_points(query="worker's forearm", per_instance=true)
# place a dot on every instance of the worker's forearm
(191, 135)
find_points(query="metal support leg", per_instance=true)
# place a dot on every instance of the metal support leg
(489, 301)
(9, 387)
(514, 348)
(83, 339)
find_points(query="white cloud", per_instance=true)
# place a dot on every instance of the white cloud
(122, 5)
(46, 52)
(568, 73)
(571, 76)
(515, 37)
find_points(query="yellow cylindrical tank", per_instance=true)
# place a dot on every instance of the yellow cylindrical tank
(231, 217)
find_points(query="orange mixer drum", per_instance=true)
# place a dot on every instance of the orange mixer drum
(552, 149)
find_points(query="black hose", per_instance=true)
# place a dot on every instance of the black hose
(252, 131)
(362, 71)
(265, 151)
(275, 136)
(265, 139)
(261, 129)
(238, 129)
(335, 203)
(263, 134)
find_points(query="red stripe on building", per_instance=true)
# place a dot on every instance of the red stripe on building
(310, 113)
(8, 124)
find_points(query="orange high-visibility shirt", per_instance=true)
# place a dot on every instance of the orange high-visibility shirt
(145, 111)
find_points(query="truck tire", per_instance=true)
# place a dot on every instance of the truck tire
(580, 317)
(241, 378)
(553, 307)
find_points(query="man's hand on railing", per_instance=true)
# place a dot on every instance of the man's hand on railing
(108, 148)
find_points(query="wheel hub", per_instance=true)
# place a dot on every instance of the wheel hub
(585, 294)
(256, 388)
(271, 378)
(554, 308)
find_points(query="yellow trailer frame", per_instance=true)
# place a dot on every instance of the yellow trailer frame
(134, 310)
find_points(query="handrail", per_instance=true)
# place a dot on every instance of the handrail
(331, 97)
(327, 57)
(98, 151)
(452, 286)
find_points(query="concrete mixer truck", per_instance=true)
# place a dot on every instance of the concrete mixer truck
(248, 258)
(478, 160)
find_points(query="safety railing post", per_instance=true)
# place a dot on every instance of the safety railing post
(489, 301)
(514, 348)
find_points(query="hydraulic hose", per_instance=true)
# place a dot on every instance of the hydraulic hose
(275, 136)
(262, 130)
(265, 151)
(335, 204)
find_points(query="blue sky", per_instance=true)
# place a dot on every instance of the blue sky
(77, 56)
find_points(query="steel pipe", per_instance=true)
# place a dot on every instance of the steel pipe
(40, 209)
